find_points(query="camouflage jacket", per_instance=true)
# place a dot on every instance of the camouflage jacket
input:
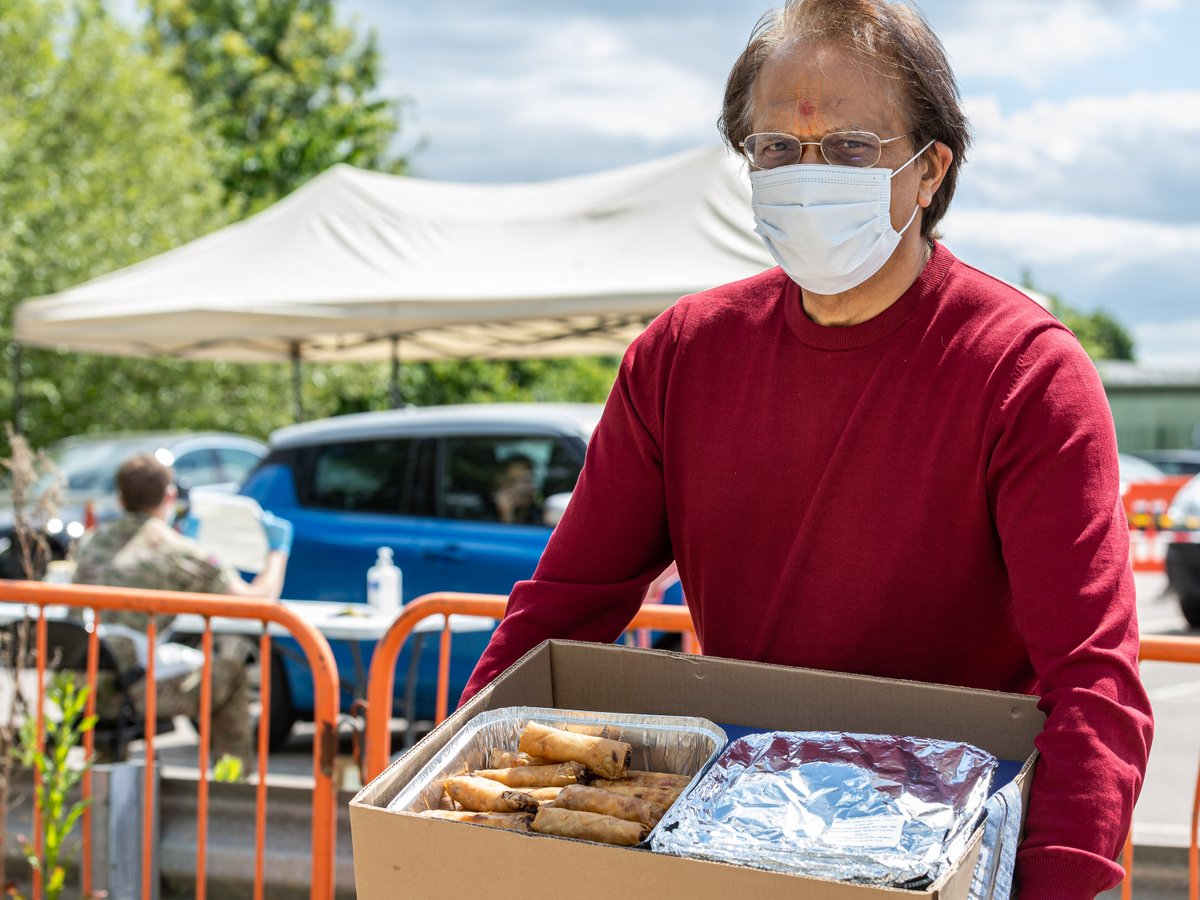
(141, 551)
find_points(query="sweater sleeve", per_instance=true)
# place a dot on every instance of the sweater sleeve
(1053, 483)
(612, 540)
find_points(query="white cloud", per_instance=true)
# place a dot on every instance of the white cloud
(1103, 244)
(1026, 41)
(586, 77)
(530, 92)
(1175, 344)
(1144, 273)
(1133, 155)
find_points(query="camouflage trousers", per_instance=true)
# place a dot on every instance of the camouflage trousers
(232, 729)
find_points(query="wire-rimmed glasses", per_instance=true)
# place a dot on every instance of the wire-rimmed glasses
(860, 149)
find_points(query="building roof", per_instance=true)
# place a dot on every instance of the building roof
(1132, 376)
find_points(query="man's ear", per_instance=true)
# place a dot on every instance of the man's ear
(935, 163)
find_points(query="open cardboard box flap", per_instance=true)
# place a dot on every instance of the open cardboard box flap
(397, 854)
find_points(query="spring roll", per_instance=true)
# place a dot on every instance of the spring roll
(608, 759)
(476, 794)
(506, 759)
(553, 775)
(544, 795)
(663, 797)
(658, 779)
(588, 826)
(511, 821)
(606, 803)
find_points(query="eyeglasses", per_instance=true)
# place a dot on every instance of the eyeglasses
(860, 149)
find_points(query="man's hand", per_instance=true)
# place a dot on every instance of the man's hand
(279, 533)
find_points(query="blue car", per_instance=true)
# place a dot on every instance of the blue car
(465, 497)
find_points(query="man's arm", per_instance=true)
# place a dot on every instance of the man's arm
(267, 584)
(612, 540)
(1054, 486)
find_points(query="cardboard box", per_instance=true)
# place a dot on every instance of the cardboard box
(403, 855)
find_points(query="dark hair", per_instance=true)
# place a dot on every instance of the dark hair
(520, 458)
(894, 33)
(142, 482)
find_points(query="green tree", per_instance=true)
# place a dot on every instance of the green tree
(105, 161)
(288, 90)
(1102, 336)
(102, 163)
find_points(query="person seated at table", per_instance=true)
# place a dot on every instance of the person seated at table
(516, 492)
(139, 549)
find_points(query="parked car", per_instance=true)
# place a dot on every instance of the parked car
(89, 463)
(428, 483)
(1183, 558)
(1173, 462)
(1135, 469)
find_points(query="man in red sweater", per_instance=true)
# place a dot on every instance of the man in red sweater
(760, 433)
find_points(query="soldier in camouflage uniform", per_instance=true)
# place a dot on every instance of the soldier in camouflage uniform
(140, 550)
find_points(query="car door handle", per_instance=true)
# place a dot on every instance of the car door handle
(446, 553)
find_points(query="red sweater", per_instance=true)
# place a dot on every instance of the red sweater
(931, 495)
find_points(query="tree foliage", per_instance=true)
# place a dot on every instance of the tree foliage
(114, 148)
(101, 165)
(287, 90)
(1102, 336)
(101, 162)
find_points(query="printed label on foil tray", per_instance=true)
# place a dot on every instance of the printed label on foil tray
(868, 831)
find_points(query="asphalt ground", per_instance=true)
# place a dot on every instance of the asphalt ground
(1164, 811)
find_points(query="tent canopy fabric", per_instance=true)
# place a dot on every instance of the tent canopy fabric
(355, 260)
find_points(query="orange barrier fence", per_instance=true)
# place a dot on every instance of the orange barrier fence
(381, 680)
(1167, 648)
(99, 600)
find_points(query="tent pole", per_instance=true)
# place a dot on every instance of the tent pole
(18, 398)
(394, 390)
(297, 381)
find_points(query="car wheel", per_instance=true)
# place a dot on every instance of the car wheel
(671, 641)
(1190, 604)
(283, 717)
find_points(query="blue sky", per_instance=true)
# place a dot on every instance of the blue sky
(1085, 170)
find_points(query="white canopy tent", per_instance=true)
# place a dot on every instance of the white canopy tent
(356, 263)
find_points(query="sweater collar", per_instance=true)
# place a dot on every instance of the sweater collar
(853, 337)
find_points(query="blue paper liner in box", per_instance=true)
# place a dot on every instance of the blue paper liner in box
(676, 744)
(873, 809)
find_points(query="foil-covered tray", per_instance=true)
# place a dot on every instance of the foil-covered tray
(873, 809)
(678, 744)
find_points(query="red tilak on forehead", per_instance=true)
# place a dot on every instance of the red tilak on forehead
(807, 108)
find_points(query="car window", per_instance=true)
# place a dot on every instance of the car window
(197, 468)
(92, 465)
(236, 464)
(1133, 468)
(362, 476)
(503, 479)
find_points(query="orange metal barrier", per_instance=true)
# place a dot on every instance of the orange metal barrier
(156, 603)
(656, 593)
(1166, 648)
(381, 680)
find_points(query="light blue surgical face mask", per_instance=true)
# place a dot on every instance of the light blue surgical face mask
(828, 227)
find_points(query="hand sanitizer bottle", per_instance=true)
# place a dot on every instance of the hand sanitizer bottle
(383, 583)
